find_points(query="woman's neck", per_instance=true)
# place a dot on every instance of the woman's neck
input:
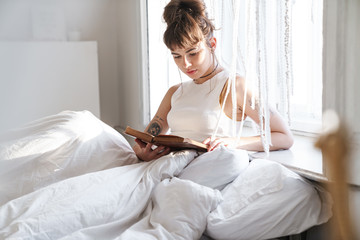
(208, 76)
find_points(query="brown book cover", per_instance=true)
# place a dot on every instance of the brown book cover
(172, 141)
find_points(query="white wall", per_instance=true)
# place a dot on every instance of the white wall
(130, 66)
(341, 69)
(38, 79)
(113, 24)
(341, 73)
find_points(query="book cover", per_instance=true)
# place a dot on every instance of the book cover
(172, 141)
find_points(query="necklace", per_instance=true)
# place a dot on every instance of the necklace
(217, 64)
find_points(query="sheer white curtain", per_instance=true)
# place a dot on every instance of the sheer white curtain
(255, 40)
(259, 33)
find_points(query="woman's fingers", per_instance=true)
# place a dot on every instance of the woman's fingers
(149, 154)
(212, 146)
(148, 147)
(159, 152)
(140, 143)
(162, 151)
(214, 143)
(210, 143)
(207, 141)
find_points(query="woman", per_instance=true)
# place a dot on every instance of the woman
(191, 109)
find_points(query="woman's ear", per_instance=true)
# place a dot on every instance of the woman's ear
(213, 43)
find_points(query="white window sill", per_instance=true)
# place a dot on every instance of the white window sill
(303, 158)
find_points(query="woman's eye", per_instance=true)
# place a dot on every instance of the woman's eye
(193, 54)
(176, 56)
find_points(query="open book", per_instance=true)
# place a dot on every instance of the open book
(172, 141)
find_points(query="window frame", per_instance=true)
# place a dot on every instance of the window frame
(144, 76)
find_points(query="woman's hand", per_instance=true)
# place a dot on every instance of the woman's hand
(213, 143)
(145, 152)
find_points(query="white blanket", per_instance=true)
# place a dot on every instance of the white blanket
(112, 199)
(70, 176)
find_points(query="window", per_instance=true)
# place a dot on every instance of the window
(306, 30)
(307, 66)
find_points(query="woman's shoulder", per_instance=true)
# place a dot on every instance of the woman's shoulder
(173, 88)
(240, 81)
(226, 73)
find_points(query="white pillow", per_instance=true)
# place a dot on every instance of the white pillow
(217, 168)
(57, 147)
(267, 201)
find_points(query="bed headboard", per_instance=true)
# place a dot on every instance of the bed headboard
(43, 78)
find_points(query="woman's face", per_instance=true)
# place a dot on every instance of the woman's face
(194, 61)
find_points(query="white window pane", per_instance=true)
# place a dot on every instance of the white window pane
(307, 65)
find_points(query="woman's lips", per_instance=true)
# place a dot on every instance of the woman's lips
(191, 72)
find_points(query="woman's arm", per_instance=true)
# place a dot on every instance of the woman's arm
(281, 136)
(158, 125)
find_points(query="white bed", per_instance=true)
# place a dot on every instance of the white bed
(71, 176)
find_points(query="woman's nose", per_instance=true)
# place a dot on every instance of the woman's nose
(186, 62)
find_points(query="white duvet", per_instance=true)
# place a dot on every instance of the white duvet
(71, 176)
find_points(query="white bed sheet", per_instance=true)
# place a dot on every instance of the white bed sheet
(70, 176)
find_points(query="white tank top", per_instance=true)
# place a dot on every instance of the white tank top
(195, 109)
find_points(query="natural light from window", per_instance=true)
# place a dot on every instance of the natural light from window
(307, 65)
(306, 101)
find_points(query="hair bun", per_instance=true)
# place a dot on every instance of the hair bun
(187, 23)
(176, 8)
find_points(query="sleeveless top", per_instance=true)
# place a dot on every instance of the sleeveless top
(195, 109)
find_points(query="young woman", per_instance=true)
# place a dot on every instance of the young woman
(191, 109)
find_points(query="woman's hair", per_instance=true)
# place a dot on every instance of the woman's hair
(187, 23)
